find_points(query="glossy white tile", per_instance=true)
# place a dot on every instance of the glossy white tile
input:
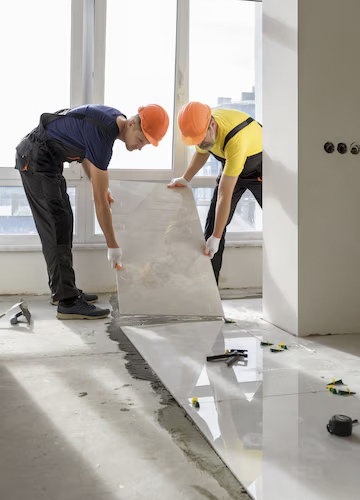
(164, 269)
(279, 447)
(265, 417)
(176, 352)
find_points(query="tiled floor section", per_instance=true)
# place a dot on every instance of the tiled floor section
(266, 419)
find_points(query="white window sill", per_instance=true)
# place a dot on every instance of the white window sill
(37, 248)
(243, 243)
(102, 246)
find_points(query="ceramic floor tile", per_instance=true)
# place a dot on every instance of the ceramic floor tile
(314, 360)
(305, 367)
(164, 269)
(177, 353)
(344, 344)
(266, 417)
(279, 447)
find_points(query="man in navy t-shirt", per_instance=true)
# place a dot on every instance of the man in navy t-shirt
(85, 134)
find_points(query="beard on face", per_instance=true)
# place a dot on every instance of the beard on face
(207, 145)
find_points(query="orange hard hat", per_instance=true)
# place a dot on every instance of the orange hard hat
(154, 122)
(193, 121)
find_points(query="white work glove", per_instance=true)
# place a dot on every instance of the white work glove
(212, 246)
(110, 199)
(178, 182)
(114, 257)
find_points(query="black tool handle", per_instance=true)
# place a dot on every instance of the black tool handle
(226, 355)
(14, 317)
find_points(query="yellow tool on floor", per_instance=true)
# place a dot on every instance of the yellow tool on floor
(195, 403)
(279, 348)
(340, 392)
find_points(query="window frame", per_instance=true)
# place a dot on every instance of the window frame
(87, 81)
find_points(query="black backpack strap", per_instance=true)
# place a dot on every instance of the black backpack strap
(237, 129)
(98, 124)
(47, 118)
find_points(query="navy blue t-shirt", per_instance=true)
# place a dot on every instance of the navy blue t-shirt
(91, 141)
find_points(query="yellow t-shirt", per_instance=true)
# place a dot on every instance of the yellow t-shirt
(247, 142)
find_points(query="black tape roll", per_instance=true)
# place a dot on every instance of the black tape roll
(340, 425)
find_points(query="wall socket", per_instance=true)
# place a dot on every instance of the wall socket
(342, 148)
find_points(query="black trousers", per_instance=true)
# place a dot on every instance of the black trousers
(247, 180)
(51, 209)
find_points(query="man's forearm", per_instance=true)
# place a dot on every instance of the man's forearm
(196, 164)
(104, 217)
(221, 216)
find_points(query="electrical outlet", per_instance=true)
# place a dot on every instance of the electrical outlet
(329, 147)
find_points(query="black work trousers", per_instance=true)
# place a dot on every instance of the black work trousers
(249, 179)
(51, 209)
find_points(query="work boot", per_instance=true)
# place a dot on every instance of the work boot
(89, 297)
(80, 309)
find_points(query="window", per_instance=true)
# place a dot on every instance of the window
(247, 217)
(222, 74)
(222, 53)
(222, 58)
(35, 67)
(143, 56)
(142, 72)
(15, 214)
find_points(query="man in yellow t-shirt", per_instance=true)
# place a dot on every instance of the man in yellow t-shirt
(235, 139)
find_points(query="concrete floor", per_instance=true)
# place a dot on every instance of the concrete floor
(77, 422)
(83, 416)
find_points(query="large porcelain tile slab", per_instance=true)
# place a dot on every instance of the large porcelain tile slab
(344, 344)
(317, 359)
(177, 353)
(267, 418)
(164, 269)
(246, 312)
(281, 372)
(279, 447)
(328, 356)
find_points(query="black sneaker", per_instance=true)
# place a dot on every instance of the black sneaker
(80, 309)
(89, 297)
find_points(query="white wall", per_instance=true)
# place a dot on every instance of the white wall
(25, 272)
(280, 143)
(329, 206)
(311, 205)
(241, 268)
